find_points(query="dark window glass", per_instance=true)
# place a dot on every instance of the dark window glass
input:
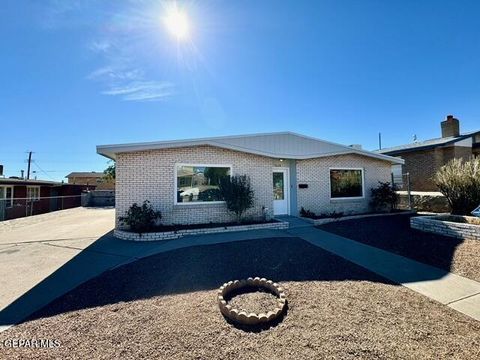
(346, 183)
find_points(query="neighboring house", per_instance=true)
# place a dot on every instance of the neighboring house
(96, 179)
(424, 158)
(288, 171)
(21, 197)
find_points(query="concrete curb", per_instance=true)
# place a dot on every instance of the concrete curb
(169, 235)
(352, 217)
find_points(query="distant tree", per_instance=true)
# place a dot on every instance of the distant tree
(214, 174)
(109, 172)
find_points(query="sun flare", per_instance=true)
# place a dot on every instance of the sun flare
(177, 23)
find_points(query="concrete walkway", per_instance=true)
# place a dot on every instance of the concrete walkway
(457, 292)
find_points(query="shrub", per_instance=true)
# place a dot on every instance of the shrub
(459, 181)
(307, 213)
(334, 214)
(140, 218)
(384, 197)
(311, 215)
(237, 193)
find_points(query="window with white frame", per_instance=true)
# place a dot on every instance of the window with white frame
(199, 183)
(346, 183)
(33, 193)
(6, 195)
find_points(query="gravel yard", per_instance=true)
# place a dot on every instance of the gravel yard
(393, 233)
(164, 307)
(254, 302)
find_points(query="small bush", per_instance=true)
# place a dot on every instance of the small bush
(459, 181)
(311, 215)
(237, 193)
(307, 213)
(384, 197)
(334, 214)
(140, 218)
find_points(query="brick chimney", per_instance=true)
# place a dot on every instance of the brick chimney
(450, 127)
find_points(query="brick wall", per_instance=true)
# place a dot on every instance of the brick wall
(441, 225)
(423, 164)
(315, 173)
(95, 182)
(149, 175)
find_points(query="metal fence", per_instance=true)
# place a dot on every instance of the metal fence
(402, 184)
(12, 208)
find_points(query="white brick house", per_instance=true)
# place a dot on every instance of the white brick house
(288, 171)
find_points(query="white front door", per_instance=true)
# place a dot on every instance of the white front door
(280, 191)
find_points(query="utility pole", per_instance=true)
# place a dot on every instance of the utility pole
(29, 162)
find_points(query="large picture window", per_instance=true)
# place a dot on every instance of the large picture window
(199, 183)
(346, 183)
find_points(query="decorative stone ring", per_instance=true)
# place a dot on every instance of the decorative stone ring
(243, 317)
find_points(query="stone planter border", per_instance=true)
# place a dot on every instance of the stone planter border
(243, 317)
(169, 235)
(435, 224)
(351, 217)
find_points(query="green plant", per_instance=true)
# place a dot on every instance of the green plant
(459, 181)
(384, 197)
(237, 193)
(109, 172)
(140, 218)
(307, 213)
(334, 214)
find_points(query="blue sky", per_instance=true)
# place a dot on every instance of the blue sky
(75, 74)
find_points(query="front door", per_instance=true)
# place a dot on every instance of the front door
(280, 191)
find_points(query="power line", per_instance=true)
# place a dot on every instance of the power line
(43, 171)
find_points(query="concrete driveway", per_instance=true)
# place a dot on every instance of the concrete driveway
(33, 248)
(43, 257)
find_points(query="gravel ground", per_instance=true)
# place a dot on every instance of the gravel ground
(393, 233)
(164, 307)
(254, 302)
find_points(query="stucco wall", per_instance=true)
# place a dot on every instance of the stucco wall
(149, 175)
(315, 173)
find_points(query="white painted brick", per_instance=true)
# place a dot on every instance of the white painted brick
(149, 175)
(316, 173)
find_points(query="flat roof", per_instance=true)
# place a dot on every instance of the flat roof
(16, 181)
